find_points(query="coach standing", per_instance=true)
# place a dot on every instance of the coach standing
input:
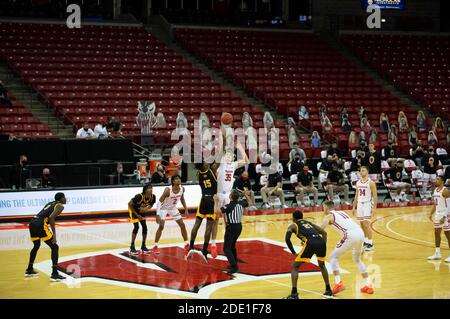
(232, 213)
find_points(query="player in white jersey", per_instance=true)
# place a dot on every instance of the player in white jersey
(365, 204)
(225, 181)
(352, 238)
(441, 212)
(167, 205)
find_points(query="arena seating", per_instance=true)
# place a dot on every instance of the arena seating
(290, 69)
(419, 65)
(90, 73)
(19, 122)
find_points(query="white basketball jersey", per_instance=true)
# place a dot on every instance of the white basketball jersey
(171, 202)
(225, 177)
(342, 222)
(440, 200)
(364, 191)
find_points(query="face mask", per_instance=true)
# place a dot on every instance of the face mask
(86, 129)
(244, 178)
(24, 163)
(305, 171)
(46, 175)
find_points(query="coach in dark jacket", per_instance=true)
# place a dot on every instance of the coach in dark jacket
(232, 214)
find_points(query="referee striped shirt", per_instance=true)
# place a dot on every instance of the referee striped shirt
(234, 211)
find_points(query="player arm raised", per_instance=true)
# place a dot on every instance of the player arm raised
(373, 189)
(51, 220)
(291, 229)
(183, 202)
(244, 161)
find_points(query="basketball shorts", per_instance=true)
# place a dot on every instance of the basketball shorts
(174, 213)
(441, 220)
(39, 229)
(206, 208)
(364, 211)
(133, 219)
(313, 246)
(353, 239)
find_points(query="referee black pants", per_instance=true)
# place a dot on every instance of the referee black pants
(232, 233)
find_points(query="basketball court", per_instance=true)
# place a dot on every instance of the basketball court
(96, 253)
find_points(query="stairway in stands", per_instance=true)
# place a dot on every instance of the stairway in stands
(28, 97)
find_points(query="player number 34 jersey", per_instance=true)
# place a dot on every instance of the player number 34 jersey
(364, 191)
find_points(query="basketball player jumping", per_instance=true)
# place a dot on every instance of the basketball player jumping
(208, 184)
(441, 212)
(314, 242)
(352, 238)
(167, 205)
(39, 230)
(138, 206)
(365, 203)
(225, 181)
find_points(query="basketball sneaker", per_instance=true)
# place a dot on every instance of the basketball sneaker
(367, 289)
(447, 260)
(214, 251)
(369, 247)
(31, 273)
(327, 294)
(56, 277)
(436, 256)
(155, 250)
(338, 288)
(291, 296)
(133, 251)
(145, 250)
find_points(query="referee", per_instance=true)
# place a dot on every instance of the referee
(232, 213)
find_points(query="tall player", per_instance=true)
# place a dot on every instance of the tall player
(441, 212)
(365, 204)
(138, 206)
(39, 230)
(225, 181)
(208, 184)
(167, 205)
(352, 238)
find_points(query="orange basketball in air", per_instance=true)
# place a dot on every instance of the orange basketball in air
(226, 118)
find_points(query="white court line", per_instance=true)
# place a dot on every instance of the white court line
(300, 289)
(388, 227)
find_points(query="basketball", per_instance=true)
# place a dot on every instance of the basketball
(226, 118)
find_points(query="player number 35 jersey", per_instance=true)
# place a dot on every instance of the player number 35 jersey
(225, 177)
